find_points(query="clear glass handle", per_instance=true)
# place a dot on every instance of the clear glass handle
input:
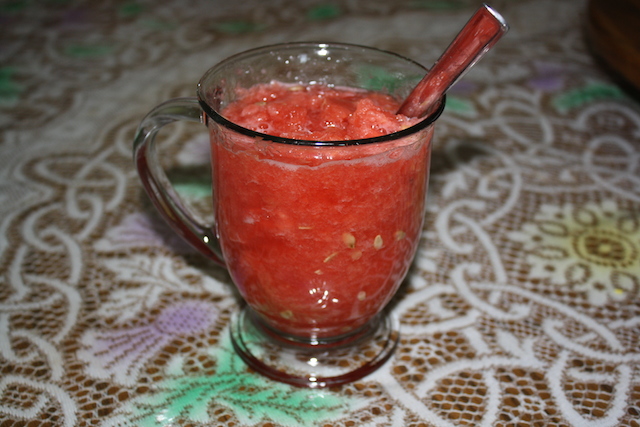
(155, 180)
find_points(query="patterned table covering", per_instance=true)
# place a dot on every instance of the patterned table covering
(522, 309)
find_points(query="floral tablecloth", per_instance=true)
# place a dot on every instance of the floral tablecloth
(523, 306)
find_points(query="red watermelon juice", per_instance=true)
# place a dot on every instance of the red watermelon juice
(317, 236)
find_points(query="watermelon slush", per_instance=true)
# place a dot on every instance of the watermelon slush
(318, 238)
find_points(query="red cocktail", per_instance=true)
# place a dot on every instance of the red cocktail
(319, 192)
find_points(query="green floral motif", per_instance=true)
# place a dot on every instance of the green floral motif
(253, 399)
(460, 106)
(9, 89)
(585, 95)
(194, 190)
(87, 50)
(438, 4)
(378, 79)
(323, 11)
(13, 6)
(130, 9)
(158, 24)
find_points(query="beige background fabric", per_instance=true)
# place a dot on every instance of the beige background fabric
(523, 305)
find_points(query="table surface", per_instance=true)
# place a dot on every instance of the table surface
(522, 309)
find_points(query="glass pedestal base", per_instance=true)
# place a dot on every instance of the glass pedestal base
(314, 363)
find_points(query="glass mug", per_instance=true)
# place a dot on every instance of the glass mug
(316, 235)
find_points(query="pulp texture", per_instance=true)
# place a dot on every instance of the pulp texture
(318, 239)
(316, 112)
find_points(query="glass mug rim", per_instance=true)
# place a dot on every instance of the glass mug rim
(212, 113)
